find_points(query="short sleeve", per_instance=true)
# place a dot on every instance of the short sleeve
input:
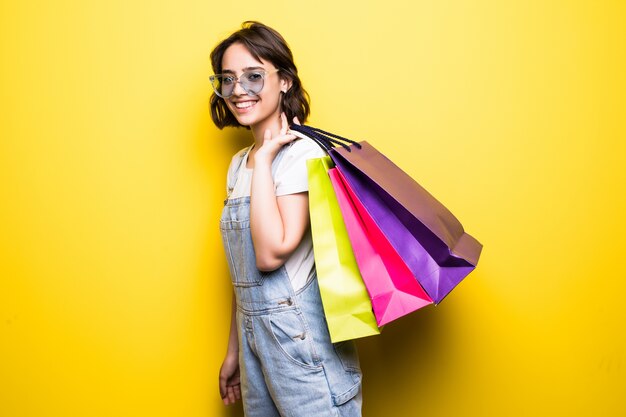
(291, 174)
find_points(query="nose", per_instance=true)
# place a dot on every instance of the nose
(238, 89)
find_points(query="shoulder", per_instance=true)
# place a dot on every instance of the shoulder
(304, 148)
(240, 153)
(291, 174)
(236, 159)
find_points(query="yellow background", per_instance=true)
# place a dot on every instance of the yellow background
(113, 285)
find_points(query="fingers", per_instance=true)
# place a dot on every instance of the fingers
(229, 391)
(237, 391)
(283, 137)
(232, 394)
(288, 137)
(271, 145)
(226, 398)
(267, 135)
(283, 124)
(223, 388)
(296, 121)
(229, 381)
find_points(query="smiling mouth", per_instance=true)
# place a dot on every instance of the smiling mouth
(245, 104)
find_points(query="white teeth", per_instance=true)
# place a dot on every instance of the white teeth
(245, 104)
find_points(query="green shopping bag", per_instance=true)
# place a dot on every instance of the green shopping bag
(347, 305)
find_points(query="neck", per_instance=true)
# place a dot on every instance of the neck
(258, 131)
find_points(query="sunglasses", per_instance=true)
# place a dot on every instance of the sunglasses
(251, 81)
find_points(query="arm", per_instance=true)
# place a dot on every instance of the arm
(233, 338)
(229, 382)
(277, 224)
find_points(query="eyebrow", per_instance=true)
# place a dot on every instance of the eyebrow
(244, 70)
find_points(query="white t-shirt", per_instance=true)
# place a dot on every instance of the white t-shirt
(291, 177)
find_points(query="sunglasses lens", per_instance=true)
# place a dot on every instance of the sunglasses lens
(252, 82)
(223, 85)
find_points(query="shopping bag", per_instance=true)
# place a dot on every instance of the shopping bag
(427, 236)
(346, 303)
(392, 288)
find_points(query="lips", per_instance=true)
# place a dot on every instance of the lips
(244, 105)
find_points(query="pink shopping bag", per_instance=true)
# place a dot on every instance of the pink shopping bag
(390, 283)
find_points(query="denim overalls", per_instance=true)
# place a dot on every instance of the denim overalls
(288, 365)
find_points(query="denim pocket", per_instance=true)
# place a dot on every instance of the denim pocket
(348, 355)
(292, 338)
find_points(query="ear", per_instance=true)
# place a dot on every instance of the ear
(285, 85)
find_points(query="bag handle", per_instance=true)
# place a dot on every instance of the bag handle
(323, 138)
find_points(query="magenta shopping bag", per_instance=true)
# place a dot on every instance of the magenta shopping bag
(392, 288)
(426, 235)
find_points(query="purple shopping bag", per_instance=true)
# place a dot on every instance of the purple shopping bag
(391, 286)
(430, 240)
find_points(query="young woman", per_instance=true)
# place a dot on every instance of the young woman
(280, 360)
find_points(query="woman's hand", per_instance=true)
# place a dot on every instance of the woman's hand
(230, 386)
(271, 145)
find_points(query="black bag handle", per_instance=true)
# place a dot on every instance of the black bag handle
(325, 139)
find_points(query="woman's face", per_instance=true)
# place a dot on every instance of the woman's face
(252, 110)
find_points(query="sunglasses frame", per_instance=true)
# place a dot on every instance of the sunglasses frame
(264, 73)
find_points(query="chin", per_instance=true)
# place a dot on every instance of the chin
(245, 121)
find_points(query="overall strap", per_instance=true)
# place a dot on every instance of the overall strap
(232, 180)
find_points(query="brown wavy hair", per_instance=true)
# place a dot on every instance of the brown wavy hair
(266, 43)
